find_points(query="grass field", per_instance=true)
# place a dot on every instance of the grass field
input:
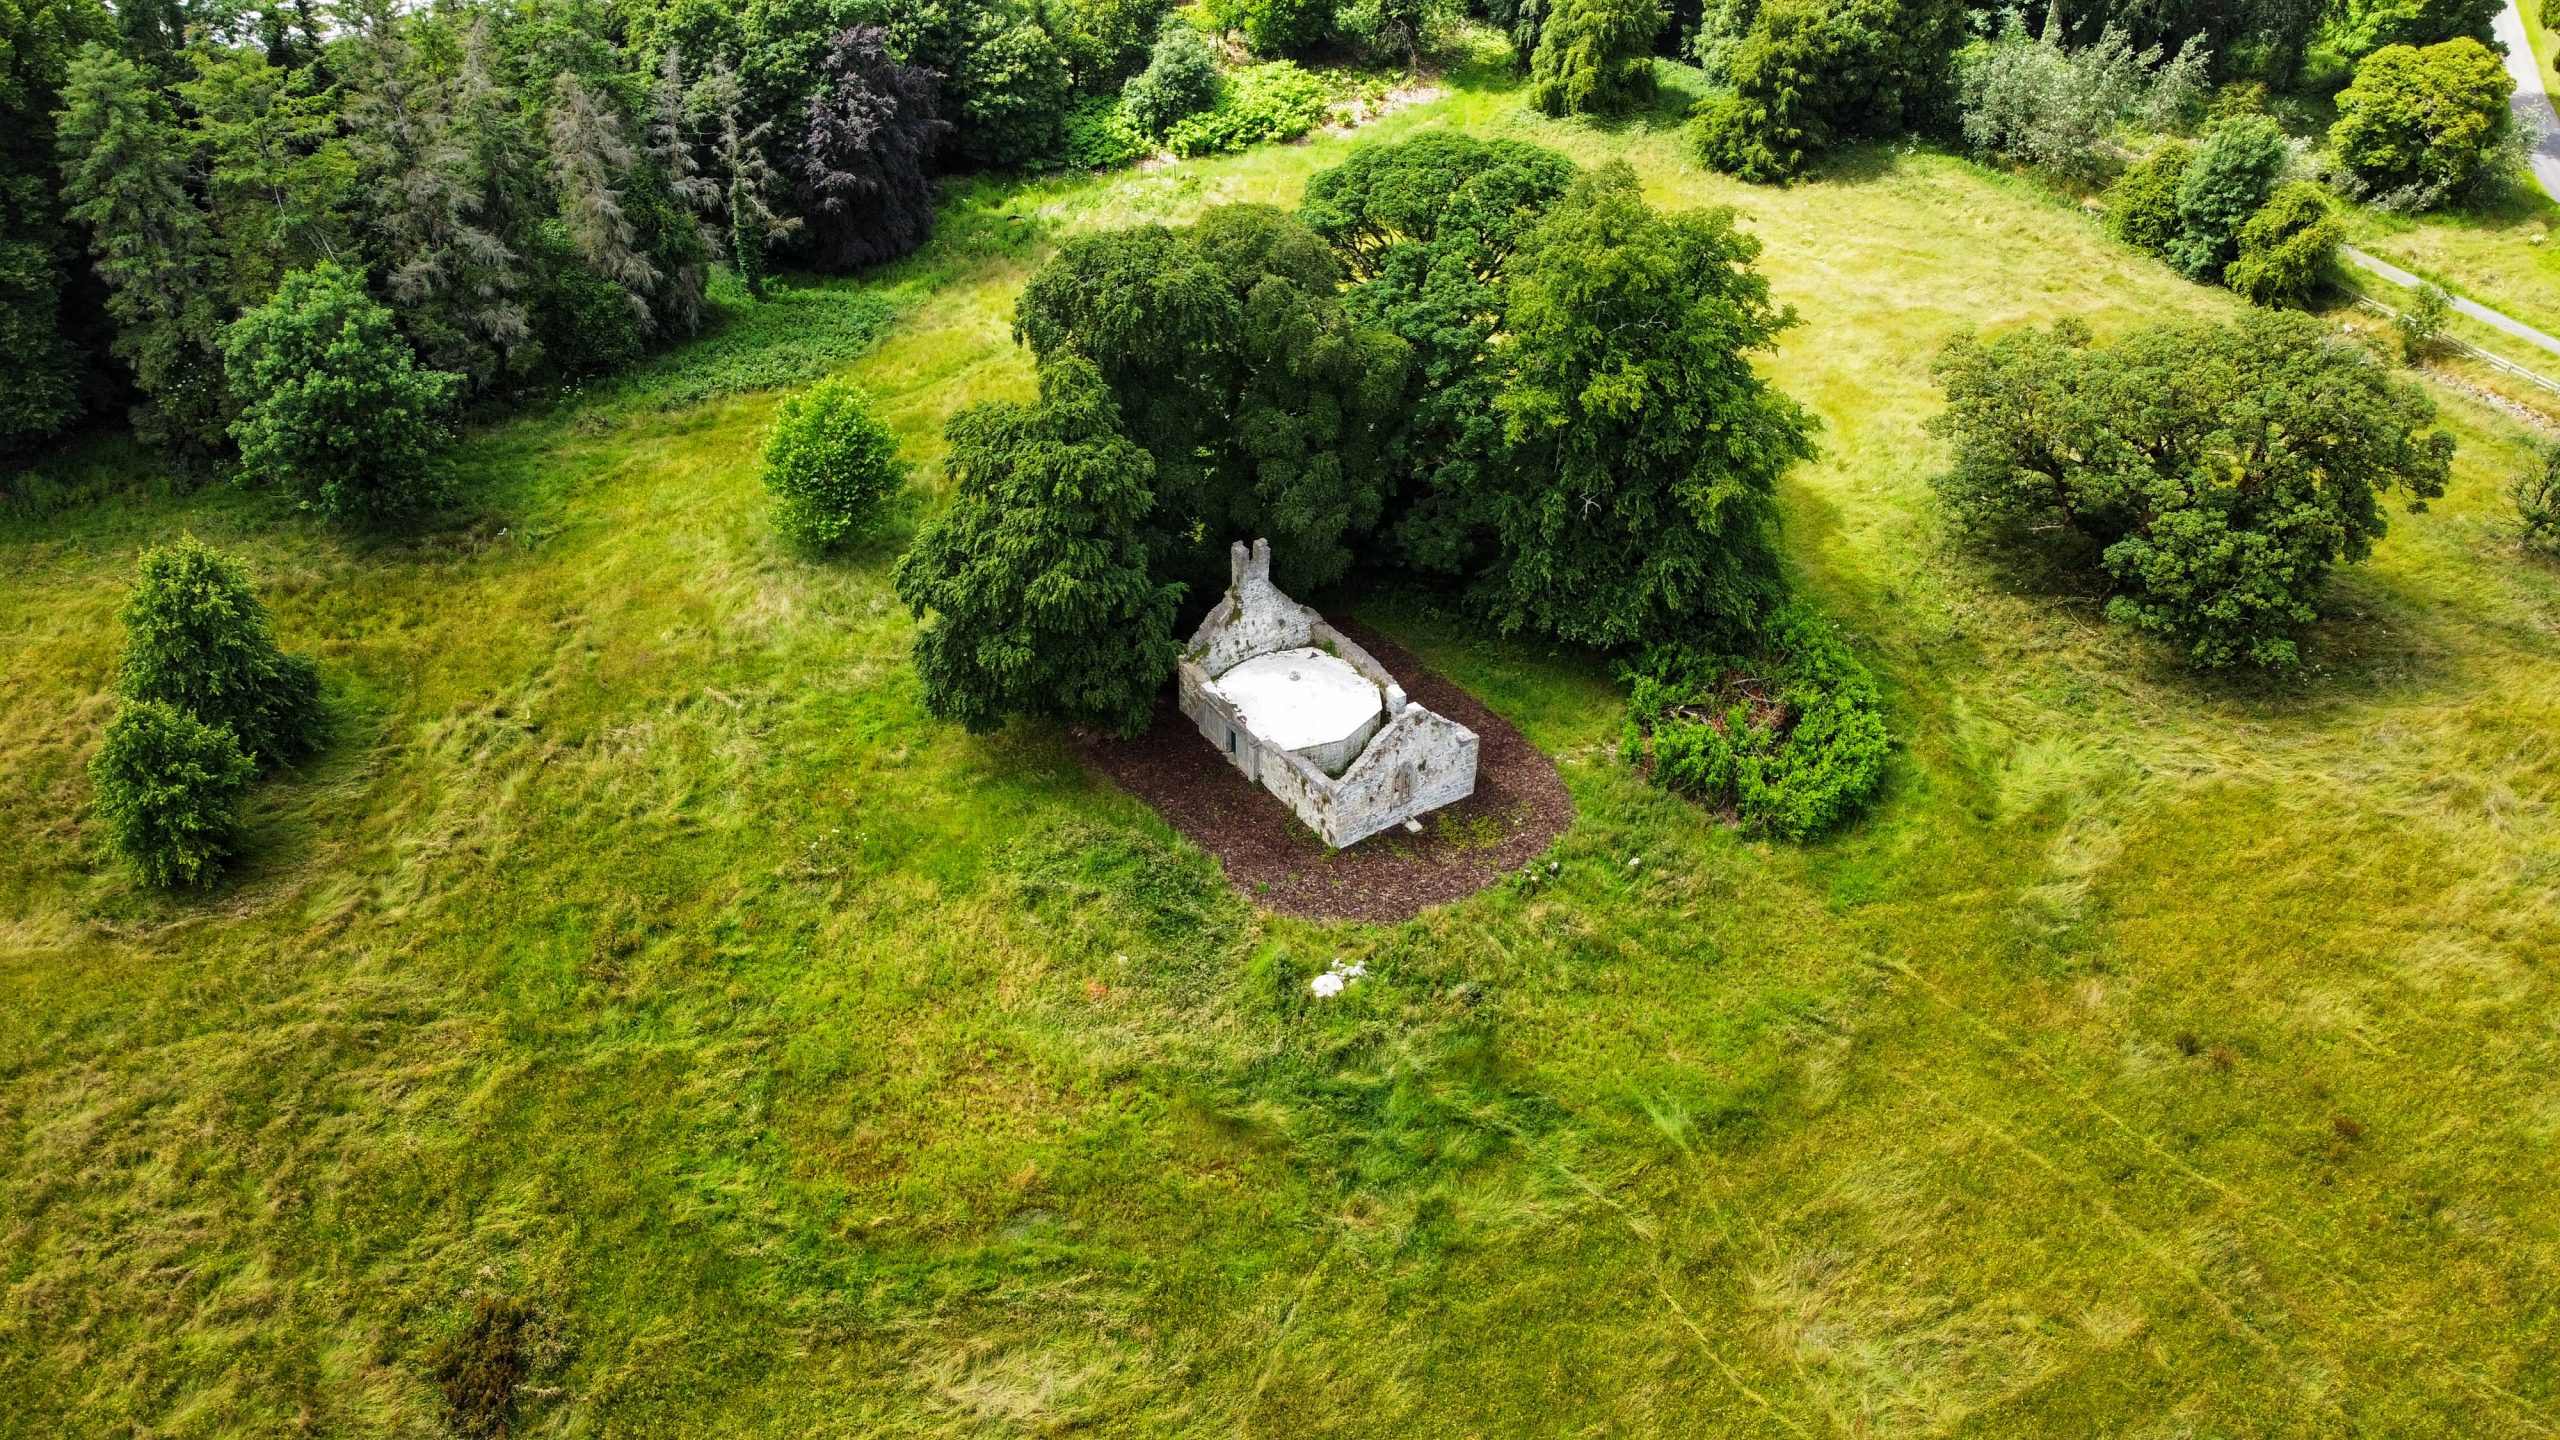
(2159, 1058)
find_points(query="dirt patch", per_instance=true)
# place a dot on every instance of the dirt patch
(1519, 808)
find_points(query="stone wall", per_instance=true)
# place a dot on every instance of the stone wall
(1418, 761)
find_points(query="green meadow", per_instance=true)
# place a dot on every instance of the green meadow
(2158, 1057)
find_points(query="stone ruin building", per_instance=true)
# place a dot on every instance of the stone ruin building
(1315, 719)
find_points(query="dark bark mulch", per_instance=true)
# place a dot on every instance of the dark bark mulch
(1519, 808)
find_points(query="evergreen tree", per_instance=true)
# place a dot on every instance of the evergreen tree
(278, 176)
(873, 128)
(591, 163)
(124, 170)
(753, 227)
(432, 169)
(693, 193)
(1595, 57)
(1033, 590)
(40, 364)
(198, 638)
(169, 788)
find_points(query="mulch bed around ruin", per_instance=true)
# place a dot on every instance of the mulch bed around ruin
(1519, 808)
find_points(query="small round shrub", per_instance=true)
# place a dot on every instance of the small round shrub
(2287, 249)
(1274, 27)
(1792, 741)
(169, 788)
(333, 406)
(197, 638)
(1181, 79)
(831, 463)
(2142, 208)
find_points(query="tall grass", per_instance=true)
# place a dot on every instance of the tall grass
(644, 967)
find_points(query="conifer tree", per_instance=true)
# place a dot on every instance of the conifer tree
(591, 164)
(124, 170)
(753, 224)
(40, 366)
(694, 193)
(278, 176)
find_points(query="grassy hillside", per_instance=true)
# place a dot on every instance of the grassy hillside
(2159, 1058)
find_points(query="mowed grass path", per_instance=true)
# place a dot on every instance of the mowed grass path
(2160, 1058)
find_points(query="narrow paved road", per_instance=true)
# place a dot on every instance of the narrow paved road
(2472, 308)
(2532, 100)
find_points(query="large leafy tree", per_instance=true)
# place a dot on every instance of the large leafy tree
(2263, 38)
(41, 364)
(2423, 122)
(1268, 410)
(2212, 474)
(198, 638)
(2361, 27)
(333, 406)
(1036, 589)
(125, 170)
(1632, 500)
(1808, 75)
(873, 127)
(1427, 228)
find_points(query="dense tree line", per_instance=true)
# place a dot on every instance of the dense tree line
(532, 190)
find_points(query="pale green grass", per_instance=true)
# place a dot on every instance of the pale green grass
(2160, 1058)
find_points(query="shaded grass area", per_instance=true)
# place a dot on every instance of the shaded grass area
(643, 966)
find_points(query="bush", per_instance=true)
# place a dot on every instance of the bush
(2422, 324)
(2231, 177)
(2536, 497)
(1395, 29)
(196, 637)
(333, 406)
(1013, 90)
(1181, 79)
(2425, 122)
(1792, 741)
(1812, 74)
(2288, 249)
(1274, 27)
(2142, 208)
(2212, 474)
(1264, 104)
(1101, 136)
(1595, 57)
(830, 463)
(1103, 40)
(582, 324)
(169, 788)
